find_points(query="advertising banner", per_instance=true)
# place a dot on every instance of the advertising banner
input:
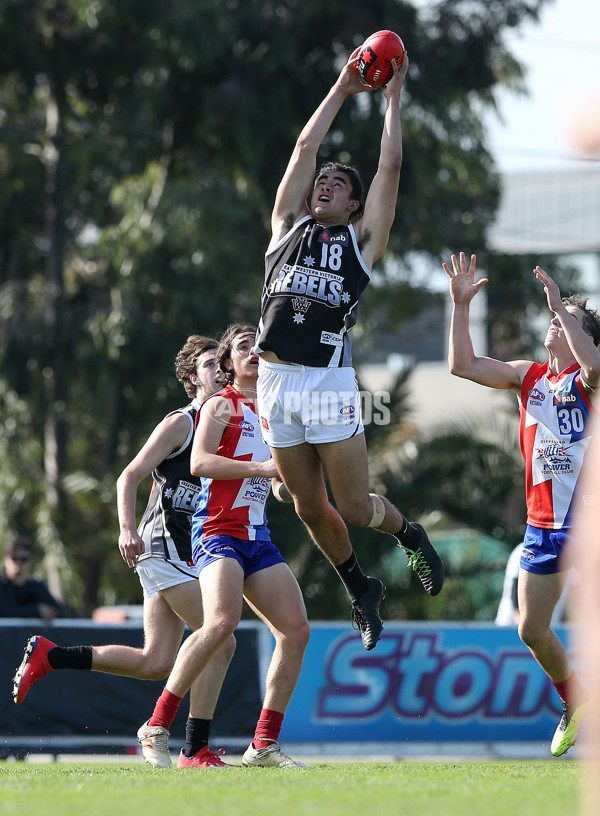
(422, 682)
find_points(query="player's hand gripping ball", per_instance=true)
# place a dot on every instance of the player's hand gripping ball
(376, 55)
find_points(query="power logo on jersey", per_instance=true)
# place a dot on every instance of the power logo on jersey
(253, 490)
(555, 457)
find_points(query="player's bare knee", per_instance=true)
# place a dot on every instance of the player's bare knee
(221, 630)
(296, 636)
(527, 636)
(530, 633)
(215, 635)
(158, 669)
(303, 635)
(227, 650)
(309, 513)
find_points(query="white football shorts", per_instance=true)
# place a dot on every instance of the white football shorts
(299, 404)
(156, 574)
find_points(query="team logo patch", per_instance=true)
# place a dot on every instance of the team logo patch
(348, 412)
(536, 397)
(555, 456)
(256, 490)
(331, 339)
(264, 423)
(300, 304)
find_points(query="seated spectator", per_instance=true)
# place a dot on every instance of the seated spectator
(20, 595)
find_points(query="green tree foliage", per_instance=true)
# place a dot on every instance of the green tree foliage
(141, 147)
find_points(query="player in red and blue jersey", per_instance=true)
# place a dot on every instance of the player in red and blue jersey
(160, 551)
(234, 507)
(233, 551)
(554, 402)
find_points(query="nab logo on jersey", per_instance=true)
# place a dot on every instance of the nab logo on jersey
(326, 238)
(536, 397)
(564, 399)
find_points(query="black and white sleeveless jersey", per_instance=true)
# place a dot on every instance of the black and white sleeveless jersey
(314, 278)
(165, 527)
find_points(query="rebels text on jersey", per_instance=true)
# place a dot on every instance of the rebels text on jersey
(554, 439)
(314, 278)
(165, 527)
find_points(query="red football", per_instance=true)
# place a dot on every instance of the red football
(376, 53)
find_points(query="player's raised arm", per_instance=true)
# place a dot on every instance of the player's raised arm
(380, 206)
(461, 358)
(580, 342)
(296, 184)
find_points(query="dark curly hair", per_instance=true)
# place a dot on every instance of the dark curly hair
(357, 190)
(591, 319)
(187, 359)
(226, 347)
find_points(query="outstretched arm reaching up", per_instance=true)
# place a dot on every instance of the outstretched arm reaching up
(296, 184)
(461, 357)
(380, 207)
(582, 346)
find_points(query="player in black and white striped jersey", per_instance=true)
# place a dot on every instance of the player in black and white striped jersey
(324, 243)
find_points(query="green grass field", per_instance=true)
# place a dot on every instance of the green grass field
(539, 788)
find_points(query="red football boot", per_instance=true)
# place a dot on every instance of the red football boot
(204, 758)
(33, 667)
